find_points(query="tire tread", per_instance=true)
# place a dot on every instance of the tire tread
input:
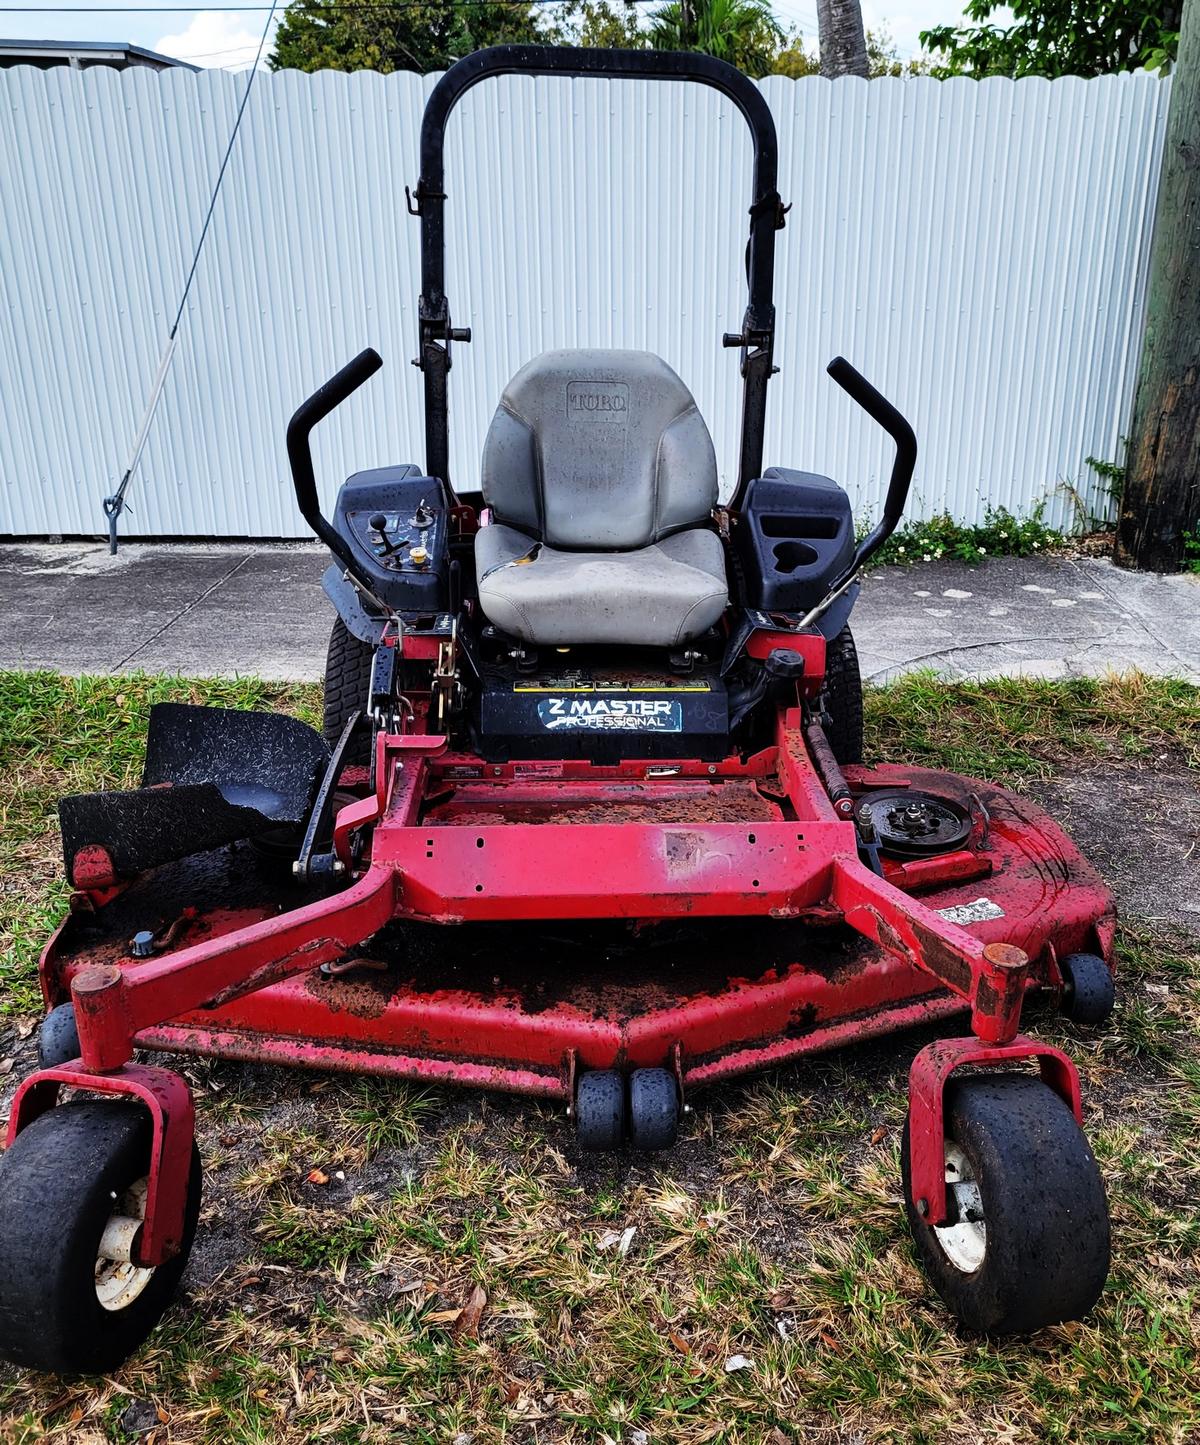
(1048, 1230)
(844, 698)
(56, 1182)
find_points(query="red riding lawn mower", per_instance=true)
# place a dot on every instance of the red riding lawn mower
(589, 821)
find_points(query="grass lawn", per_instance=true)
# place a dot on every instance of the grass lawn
(378, 1262)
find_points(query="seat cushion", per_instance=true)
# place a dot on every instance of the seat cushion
(598, 449)
(657, 596)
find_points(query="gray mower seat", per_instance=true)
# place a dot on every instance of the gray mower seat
(601, 478)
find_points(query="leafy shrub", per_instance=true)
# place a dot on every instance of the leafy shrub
(1000, 534)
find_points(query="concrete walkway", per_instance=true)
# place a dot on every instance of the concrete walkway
(225, 608)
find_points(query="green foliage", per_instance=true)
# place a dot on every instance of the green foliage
(1059, 37)
(999, 535)
(743, 32)
(610, 24)
(1191, 551)
(430, 35)
(1111, 473)
(795, 61)
(1009, 728)
(329, 35)
(312, 1239)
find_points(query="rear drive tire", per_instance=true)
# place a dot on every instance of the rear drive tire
(600, 1110)
(64, 1306)
(843, 698)
(1026, 1242)
(347, 686)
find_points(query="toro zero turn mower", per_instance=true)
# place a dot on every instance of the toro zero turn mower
(589, 821)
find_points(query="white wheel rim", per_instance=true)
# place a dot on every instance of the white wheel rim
(119, 1280)
(964, 1242)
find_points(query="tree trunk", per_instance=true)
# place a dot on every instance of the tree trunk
(843, 42)
(1161, 500)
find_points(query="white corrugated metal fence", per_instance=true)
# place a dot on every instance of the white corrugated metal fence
(977, 249)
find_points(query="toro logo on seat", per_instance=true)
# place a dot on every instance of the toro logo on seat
(597, 400)
(612, 714)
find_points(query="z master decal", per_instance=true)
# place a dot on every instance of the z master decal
(624, 714)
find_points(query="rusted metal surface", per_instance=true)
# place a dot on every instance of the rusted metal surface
(173, 1119)
(928, 1075)
(1036, 869)
(715, 918)
(354, 1058)
(735, 800)
(529, 996)
(829, 770)
(913, 874)
(113, 1001)
(910, 929)
(244, 952)
(93, 867)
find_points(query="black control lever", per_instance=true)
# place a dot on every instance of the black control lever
(325, 399)
(877, 406)
(378, 524)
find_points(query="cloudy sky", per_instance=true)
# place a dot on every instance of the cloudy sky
(209, 37)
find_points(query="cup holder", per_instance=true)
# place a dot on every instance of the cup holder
(789, 556)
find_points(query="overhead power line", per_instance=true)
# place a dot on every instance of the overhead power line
(115, 505)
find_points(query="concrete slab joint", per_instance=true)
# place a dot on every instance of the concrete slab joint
(222, 609)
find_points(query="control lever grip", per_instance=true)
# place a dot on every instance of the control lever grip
(327, 397)
(877, 406)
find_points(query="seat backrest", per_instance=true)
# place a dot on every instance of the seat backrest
(598, 450)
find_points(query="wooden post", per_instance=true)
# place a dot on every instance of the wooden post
(1161, 500)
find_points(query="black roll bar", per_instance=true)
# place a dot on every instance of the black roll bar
(756, 339)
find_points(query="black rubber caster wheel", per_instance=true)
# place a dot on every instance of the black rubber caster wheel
(1026, 1240)
(1088, 990)
(653, 1109)
(58, 1038)
(69, 1187)
(600, 1110)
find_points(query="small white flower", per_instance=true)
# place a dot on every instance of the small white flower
(903, 549)
(1036, 545)
(983, 551)
(928, 557)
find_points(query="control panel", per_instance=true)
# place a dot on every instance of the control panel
(401, 539)
(396, 519)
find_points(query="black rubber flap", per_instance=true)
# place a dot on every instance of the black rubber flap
(212, 776)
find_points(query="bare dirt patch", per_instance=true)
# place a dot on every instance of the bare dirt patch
(1140, 827)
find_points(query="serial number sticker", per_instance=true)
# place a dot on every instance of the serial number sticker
(538, 770)
(615, 714)
(978, 912)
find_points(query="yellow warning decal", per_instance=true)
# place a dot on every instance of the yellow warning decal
(579, 684)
